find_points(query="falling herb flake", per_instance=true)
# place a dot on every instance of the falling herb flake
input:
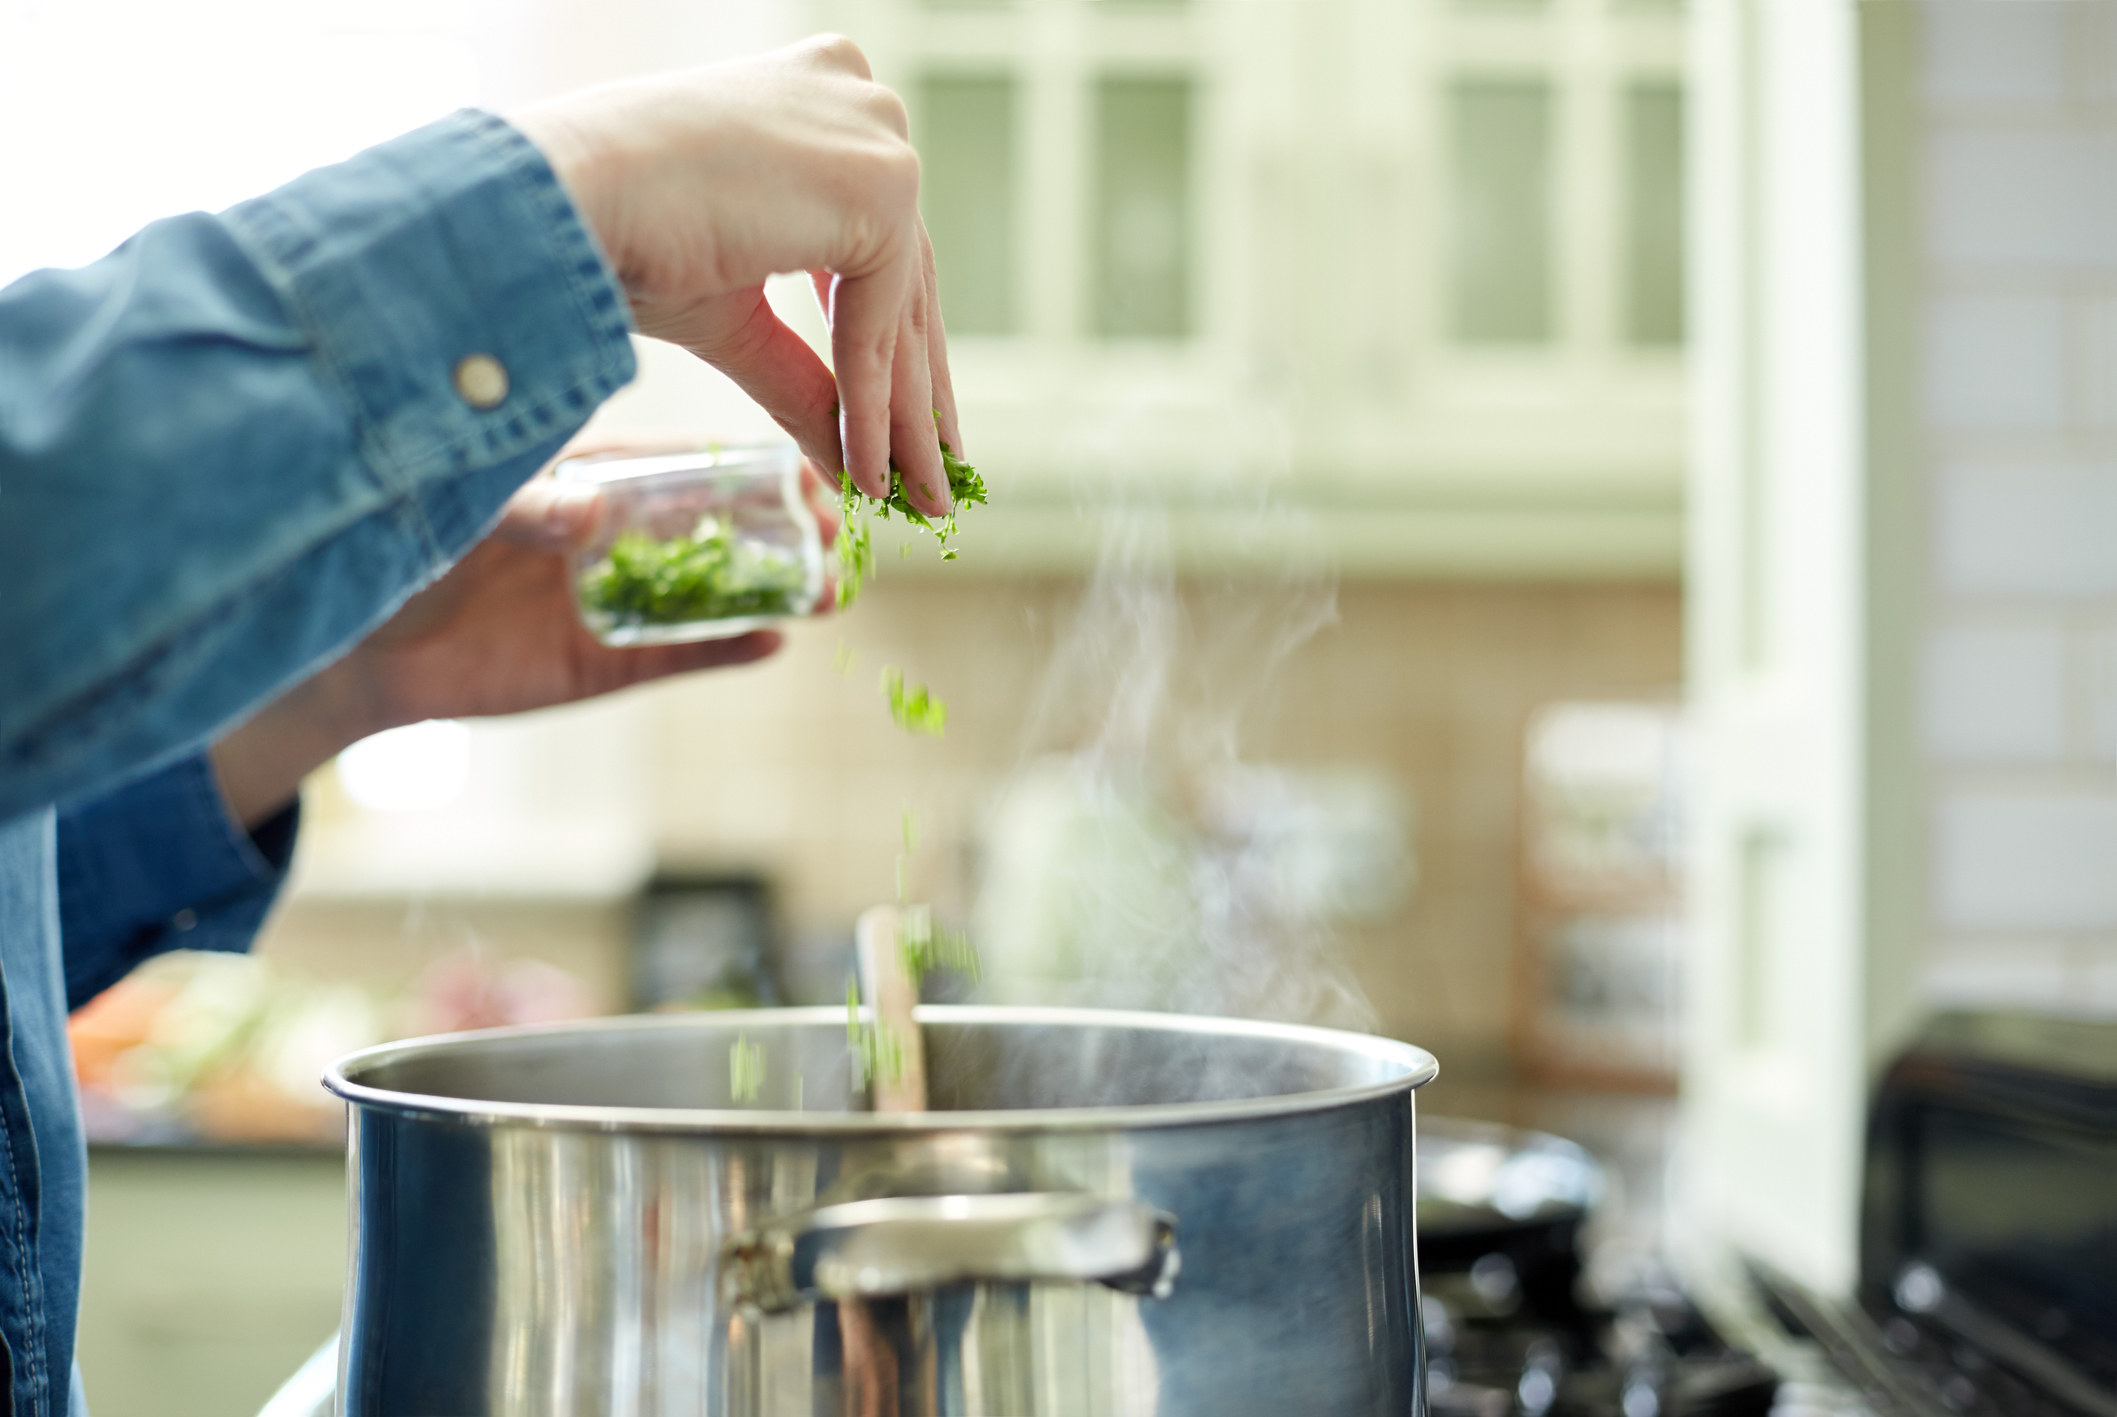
(877, 1051)
(746, 1069)
(926, 946)
(856, 543)
(914, 708)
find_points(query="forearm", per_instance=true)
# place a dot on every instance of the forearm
(261, 763)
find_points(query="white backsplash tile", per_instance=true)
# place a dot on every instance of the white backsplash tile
(2002, 973)
(1995, 363)
(2095, 976)
(2026, 859)
(2029, 196)
(1996, 694)
(2027, 529)
(2095, 377)
(1979, 53)
(2095, 655)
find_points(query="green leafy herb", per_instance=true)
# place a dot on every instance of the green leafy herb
(911, 842)
(745, 1068)
(877, 1051)
(856, 543)
(927, 946)
(856, 550)
(914, 709)
(712, 574)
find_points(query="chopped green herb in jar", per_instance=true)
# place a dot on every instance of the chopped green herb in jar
(712, 574)
(745, 1068)
(914, 709)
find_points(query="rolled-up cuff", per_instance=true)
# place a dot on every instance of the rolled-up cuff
(160, 865)
(454, 243)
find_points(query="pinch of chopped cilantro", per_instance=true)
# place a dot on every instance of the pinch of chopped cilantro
(709, 575)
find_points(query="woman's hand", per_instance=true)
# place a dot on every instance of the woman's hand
(497, 634)
(702, 184)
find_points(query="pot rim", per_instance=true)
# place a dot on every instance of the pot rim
(1420, 1068)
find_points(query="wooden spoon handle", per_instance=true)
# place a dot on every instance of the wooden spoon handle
(892, 993)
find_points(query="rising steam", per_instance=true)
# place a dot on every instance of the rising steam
(1135, 860)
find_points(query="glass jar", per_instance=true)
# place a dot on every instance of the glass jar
(696, 545)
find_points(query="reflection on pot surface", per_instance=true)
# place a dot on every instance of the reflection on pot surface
(1104, 1213)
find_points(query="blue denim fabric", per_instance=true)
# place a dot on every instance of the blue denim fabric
(226, 450)
(159, 865)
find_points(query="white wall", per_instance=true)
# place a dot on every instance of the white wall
(1903, 599)
(2017, 419)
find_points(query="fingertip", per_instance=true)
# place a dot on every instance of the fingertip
(934, 498)
(760, 644)
(723, 654)
(576, 512)
(550, 515)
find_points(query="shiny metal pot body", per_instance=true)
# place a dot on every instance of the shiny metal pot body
(1104, 1214)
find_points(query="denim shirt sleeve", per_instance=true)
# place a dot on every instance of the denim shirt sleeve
(160, 865)
(234, 444)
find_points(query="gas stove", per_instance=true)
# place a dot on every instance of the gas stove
(1508, 1322)
(1510, 1329)
(1988, 1268)
(1653, 1356)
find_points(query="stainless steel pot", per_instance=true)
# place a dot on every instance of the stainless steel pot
(1105, 1214)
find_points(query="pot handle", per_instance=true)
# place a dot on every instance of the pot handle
(896, 1245)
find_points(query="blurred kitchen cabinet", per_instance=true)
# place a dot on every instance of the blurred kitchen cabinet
(1416, 265)
(1598, 984)
(211, 1276)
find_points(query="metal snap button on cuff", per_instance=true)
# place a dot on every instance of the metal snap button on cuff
(481, 380)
